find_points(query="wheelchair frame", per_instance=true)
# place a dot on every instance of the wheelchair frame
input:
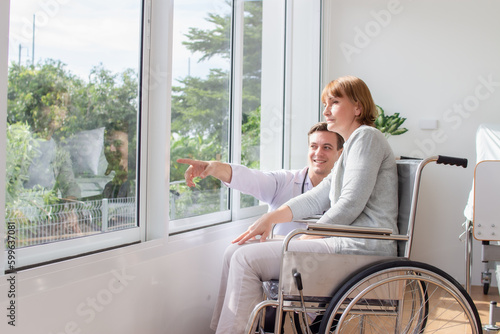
(372, 294)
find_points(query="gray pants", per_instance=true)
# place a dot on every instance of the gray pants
(244, 269)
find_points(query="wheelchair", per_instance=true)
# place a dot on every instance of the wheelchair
(340, 293)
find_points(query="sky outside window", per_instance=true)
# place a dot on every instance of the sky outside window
(82, 34)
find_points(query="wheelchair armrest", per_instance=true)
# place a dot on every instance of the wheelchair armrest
(349, 229)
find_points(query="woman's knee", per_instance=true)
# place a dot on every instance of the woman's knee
(229, 253)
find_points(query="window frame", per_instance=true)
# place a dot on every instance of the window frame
(237, 44)
(235, 212)
(299, 87)
(33, 256)
(155, 100)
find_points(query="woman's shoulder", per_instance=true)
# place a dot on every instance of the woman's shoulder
(366, 131)
(369, 136)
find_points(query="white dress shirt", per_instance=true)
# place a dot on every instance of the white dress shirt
(274, 188)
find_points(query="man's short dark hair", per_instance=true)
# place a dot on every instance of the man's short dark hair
(323, 126)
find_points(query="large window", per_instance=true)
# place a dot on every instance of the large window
(77, 100)
(201, 92)
(219, 102)
(72, 126)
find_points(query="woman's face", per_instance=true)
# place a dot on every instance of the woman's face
(341, 115)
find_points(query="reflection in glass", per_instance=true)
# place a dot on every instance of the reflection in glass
(65, 105)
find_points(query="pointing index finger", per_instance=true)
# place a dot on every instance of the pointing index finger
(185, 161)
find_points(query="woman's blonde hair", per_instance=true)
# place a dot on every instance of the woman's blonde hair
(357, 91)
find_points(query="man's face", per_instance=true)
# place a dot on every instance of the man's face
(116, 149)
(322, 152)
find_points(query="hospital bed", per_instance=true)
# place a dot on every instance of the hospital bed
(481, 214)
(338, 293)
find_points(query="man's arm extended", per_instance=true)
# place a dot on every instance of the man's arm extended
(198, 168)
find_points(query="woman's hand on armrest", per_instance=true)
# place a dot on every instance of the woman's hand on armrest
(264, 225)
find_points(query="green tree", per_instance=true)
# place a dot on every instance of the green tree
(38, 95)
(200, 105)
(107, 98)
(47, 99)
(215, 41)
(20, 152)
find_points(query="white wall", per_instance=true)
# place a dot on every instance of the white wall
(152, 288)
(435, 60)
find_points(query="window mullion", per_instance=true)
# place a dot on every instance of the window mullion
(236, 94)
(287, 84)
(156, 94)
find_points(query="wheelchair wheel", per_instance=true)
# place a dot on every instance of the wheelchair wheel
(401, 296)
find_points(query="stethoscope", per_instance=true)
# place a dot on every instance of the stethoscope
(304, 181)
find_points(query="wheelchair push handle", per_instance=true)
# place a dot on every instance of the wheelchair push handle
(442, 159)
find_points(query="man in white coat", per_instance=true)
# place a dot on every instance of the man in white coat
(276, 187)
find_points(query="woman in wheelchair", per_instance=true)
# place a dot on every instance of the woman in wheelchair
(361, 190)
